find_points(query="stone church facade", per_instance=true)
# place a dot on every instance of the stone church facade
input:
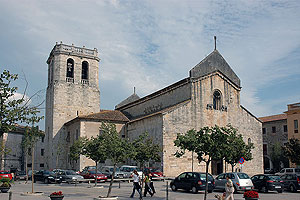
(209, 96)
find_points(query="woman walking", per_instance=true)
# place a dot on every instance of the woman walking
(147, 185)
(136, 184)
(229, 189)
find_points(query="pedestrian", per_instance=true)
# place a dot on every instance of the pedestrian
(136, 184)
(151, 184)
(229, 189)
(147, 185)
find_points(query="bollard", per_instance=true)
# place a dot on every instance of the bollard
(10, 196)
(167, 191)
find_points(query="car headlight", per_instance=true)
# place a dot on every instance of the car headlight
(74, 178)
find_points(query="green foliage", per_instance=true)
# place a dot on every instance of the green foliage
(145, 150)
(14, 110)
(277, 156)
(31, 136)
(77, 148)
(236, 147)
(6, 182)
(292, 150)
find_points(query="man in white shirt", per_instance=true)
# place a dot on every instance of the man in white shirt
(136, 184)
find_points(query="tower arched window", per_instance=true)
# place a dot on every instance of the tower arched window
(217, 100)
(85, 70)
(70, 69)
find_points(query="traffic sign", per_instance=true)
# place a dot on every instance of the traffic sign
(242, 160)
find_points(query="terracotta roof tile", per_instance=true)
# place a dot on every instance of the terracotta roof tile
(109, 115)
(273, 118)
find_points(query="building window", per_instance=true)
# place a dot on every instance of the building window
(85, 70)
(217, 100)
(249, 141)
(29, 151)
(296, 126)
(42, 152)
(264, 130)
(68, 136)
(70, 70)
(273, 129)
(77, 134)
(43, 138)
(285, 128)
(42, 165)
(29, 165)
(265, 149)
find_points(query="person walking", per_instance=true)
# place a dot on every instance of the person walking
(151, 183)
(229, 189)
(136, 184)
(147, 185)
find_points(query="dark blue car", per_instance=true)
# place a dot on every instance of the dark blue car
(193, 181)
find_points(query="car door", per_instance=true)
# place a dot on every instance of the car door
(254, 180)
(179, 182)
(189, 180)
(219, 180)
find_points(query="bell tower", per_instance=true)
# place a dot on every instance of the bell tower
(73, 89)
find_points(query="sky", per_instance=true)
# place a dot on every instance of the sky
(152, 44)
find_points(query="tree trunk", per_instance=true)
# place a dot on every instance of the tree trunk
(96, 173)
(206, 182)
(111, 180)
(32, 168)
(26, 167)
(232, 166)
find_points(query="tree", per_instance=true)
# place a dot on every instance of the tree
(145, 150)
(236, 147)
(14, 110)
(277, 157)
(292, 150)
(208, 143)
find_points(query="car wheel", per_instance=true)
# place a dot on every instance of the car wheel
(279, 191)
(209, 191)
(46, 181)
(173, 187)
(264, 189)
(194, 190)
(292, 188)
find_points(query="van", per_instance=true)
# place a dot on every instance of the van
(288, 171)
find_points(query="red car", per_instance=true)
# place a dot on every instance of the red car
(5, 174)
(156, 173)
(91, 175)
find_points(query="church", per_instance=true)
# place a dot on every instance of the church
(209, 95)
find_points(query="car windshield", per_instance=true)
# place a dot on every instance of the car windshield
(69, 172)
(49, 173)
(274, 178)
(243, 176)
(94, 172)
(112, 169)
(203, 177)
(297, 170)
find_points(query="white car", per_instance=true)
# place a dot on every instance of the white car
(288, 171)
(128, 170)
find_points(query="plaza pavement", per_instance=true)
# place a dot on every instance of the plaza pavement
(86, 191)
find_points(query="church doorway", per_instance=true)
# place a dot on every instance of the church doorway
(216, 167)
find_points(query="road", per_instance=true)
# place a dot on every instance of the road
(86, 191)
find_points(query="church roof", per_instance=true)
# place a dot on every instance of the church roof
(129, 100)
(106, 115)
(273, 118)
(215, 62)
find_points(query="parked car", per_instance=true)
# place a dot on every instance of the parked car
(193, 181)
(5, 174)
(30, 173)
(87, 168)
(21, 175)
(47, 177)
(92, 174)
(288, 171)
(291, 182)
(266, 182)
(70, 176)
(155, 172)
(241, 181)
(108, 171)
(128, 170)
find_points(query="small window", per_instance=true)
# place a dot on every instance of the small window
(285, 128)
(68, 136)
(265, 149)
(217, 100)
(273, 129)
(29, 165)
(42, 165)
(29, 151)
(70, 70)
(77, 134)
(249, 141)
(43, 138)
(42, 152)
(85, 70)
(296, 126)
(264, 130)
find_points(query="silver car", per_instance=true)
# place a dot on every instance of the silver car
(70, 176)
(241, 181)
(108, 171)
